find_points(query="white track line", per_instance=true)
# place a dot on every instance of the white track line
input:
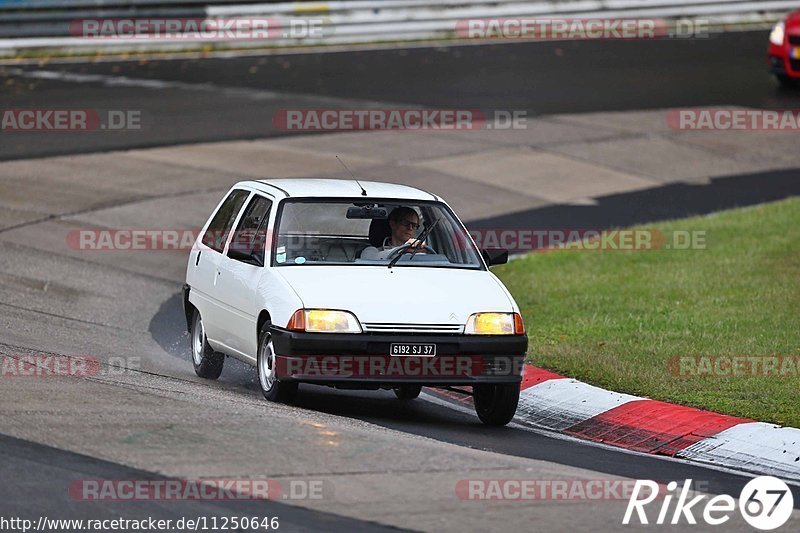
(154, 84)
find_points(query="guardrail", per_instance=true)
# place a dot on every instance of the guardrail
(51, 24)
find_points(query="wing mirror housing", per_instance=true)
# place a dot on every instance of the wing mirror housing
(495, 256)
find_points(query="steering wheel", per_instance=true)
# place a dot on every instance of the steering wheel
(404, 249)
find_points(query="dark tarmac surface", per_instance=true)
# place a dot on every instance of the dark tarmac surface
(214, 99)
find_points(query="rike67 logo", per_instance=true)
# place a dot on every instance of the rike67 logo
(765, 503)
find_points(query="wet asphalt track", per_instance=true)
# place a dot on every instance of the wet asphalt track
(452, 425)
(43, 471)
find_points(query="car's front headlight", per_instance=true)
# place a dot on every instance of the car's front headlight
(778, 34)
(324, 321)
(495, 324)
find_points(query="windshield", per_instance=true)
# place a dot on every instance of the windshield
(374, 232)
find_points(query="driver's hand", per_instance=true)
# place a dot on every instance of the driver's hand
(420, 248)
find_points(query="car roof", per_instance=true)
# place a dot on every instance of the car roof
(332, 188)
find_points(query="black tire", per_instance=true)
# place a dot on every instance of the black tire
(407, 392)
(496, 404)
(207, 363)
(273, 390)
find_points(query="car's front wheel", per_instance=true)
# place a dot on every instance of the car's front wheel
(407, 392)
(207, 363)
(496, 404)
(272, 388)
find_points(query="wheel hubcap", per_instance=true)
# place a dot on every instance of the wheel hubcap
(198, 338)
(266, 364)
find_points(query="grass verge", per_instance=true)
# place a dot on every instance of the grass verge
(623, 319)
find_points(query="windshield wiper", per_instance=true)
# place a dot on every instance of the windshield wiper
(416, 243)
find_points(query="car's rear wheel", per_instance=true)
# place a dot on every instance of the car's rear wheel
(207, 363)
(407, 392)
(496, 404)
(272, 388)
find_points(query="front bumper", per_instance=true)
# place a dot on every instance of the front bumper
(363, 359)
(777, 66)
(781, 61)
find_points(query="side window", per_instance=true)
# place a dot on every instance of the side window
(217, 232)
(251, 235)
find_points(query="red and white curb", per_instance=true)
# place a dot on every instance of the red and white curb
(555, 403)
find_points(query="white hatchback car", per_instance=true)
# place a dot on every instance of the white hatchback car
(353, 285)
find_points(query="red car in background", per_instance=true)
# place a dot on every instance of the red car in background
(784, 50)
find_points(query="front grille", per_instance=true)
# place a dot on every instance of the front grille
(794, 39)
(413, 328)
(795, 64)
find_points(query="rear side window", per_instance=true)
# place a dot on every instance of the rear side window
(250, 236)
(217, 232)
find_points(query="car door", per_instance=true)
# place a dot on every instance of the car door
(204, 262)
(240, 271)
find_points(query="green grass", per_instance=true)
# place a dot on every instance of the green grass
(615, 318)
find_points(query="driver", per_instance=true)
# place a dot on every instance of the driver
(403, 222)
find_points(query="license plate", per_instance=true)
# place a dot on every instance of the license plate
(413, 349)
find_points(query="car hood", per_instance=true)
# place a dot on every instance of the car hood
(404, 295)
(793, 23)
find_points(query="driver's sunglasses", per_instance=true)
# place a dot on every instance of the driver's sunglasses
(409, 224)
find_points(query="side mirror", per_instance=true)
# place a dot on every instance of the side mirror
(495, 256)
(245, 256)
